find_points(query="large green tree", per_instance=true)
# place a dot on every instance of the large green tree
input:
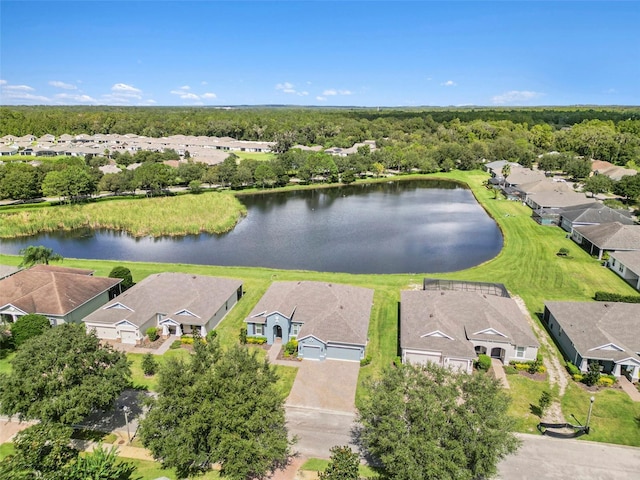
(70, 183)
(427, 422)
(44, 451)
(628, 187)
(34, 254)
(28, 326)
(344, 465)
(63, 376)
(19, 181)
(219, 407)
(598, 184)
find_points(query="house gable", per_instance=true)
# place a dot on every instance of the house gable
(490, 331)
(437, 334)
(186, 313)
(608, 346)
(118, 306)
(126, 324)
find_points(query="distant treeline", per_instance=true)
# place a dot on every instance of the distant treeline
(340, 127)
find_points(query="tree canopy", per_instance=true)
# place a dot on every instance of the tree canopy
(218, 407)
(63, 376)
(43, 451)
(125, 274)
(28, 326)
(34, 254)
(427, 422)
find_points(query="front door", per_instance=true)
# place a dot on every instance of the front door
(497, 352)
(277, 332)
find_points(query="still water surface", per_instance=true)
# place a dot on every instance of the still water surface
(394, 227)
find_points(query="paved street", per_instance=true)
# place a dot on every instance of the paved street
(551, 458)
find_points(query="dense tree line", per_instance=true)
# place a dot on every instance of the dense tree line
(411, 140)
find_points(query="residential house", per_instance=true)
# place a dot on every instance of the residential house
(592, 214)
(627, 265)
(63, 295)
(602, 332)
(607, 237)
(615, 172)
(329, 321)
(175, 303)
(451, 327)
(522, 175)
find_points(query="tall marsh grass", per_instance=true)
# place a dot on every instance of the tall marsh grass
(214, 212)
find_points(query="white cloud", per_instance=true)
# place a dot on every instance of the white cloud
(289, 88)
(203, 83)
(19, 94)
(18, 88)
(332, 91)
(124, 88)
(515, 96)
(184, 93)
(65, 86)
(321, 99)
(449, 83)
(76, 98)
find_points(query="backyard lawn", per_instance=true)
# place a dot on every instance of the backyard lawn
(527, 265)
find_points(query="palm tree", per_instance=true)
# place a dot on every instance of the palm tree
(38, 254)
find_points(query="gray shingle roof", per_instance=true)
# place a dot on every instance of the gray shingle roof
(595, 214)
(612, 236)
(169, 293)
(590, 325)
(462, 316)
(630, 259)
(328, 311)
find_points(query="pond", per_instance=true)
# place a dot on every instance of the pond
(393, 227)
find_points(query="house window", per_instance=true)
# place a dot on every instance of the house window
(295, 329)
(520, 352)
(259, 329)
(613, 262)
(621, 268)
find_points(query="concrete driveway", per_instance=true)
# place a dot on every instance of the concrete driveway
(325, 385)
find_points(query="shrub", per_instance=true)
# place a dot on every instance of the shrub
(152, 333)
(616, 297)
(211, 335)
(483, 363)
(291, 348)
(605, 381)
(544, 402)
(149, 364)
(28, 326)
(125, 274)
(563, 252)
(577, 377)
(176, 344)
(243, 335)
(572, 369)
(593, 375)
(510, 370)
(365, 361)
(186, 340)
(397, 361)
(256, 340)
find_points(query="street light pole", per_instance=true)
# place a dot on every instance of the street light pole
(126, 421)
(592, 399)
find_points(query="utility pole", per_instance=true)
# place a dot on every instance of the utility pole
(592, 399)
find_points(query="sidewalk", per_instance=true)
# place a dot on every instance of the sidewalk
(161, 350)
(498, 373)
(629, 388)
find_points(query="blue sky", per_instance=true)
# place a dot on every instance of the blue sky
(324, 53)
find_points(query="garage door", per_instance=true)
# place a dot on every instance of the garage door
(459, 365)
(311, 352)
(105, 332)
(343, 353)
(421, 359)
(128, 337)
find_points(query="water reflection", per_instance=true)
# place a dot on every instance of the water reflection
(394, 227)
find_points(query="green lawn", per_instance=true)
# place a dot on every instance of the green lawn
(6, 449)
(146, 470)
(5, 363)
(319, 465)
(527, 265)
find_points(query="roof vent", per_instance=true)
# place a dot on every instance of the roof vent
(441, 293)
(431, 315)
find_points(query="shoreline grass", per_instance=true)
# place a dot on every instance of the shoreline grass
(210, 212)
(527, 265)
